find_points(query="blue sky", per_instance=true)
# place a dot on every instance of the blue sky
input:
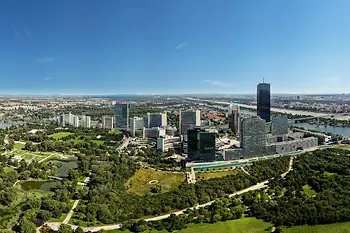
(175, 46)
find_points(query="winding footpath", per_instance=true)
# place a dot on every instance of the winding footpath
(264, 184)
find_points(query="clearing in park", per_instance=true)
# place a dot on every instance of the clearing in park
(60, 135)
(213, 174)
(139, 182)
(253, 225)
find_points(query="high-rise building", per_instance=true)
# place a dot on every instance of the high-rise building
(253, 136)
(136, 123)
(263, 101)
(201, 145)
(156, 120)
(189, 119)
(233, 118)
(76, 121)
(108, 122)
(279, 125)
(85, 121)
(121, 113)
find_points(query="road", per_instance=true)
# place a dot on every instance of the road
(55, 225)
(125, 144)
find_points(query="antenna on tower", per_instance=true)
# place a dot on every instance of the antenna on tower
(263, 80)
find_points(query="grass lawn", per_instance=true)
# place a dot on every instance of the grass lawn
(328, 173)
(252, 225)
(98, 142)
(8, 169)
(309, 191)
(61, 219)
(29, 156)
(115, 131)
(60, 135)
(327, 228)
(167, 180)
(244, 225)
(210, 175)
(19, 146)
(342, 146)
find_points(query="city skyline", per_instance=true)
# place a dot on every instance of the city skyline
(197, 47)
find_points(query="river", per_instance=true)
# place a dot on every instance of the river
(330, 129)
(4, 125)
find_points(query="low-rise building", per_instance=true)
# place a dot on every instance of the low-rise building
(154, 132)
(166, 143)
(294, 145)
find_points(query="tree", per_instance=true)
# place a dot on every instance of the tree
(64, 228)
(27, 226)
(78, 230)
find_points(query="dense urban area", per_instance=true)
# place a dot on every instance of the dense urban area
(191, 163)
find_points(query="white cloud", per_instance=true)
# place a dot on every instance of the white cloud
(28, 34)
(48, 78)
(180, 46)
(21, 34)
(17, 34)
(46, 59)
(219, 83)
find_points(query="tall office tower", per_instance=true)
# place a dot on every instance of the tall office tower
(108, 122)
(66, 120)
(233, 119)
(136, 123)
(264, 101)
(121, 113)
(156, 120)
(201, 145)
(85, 121)
(189, 119)
(253, 136)
(76, 121)
(70, 119)
(279, 125)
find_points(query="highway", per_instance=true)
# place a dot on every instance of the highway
(55, 225)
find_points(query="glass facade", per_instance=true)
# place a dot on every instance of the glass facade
(201, 145)
(121, 113)
(263, 101)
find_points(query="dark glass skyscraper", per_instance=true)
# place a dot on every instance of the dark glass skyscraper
(121, 114)
(201, 145)
(263, 101)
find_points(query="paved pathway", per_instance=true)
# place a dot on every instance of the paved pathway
(55, 225)
(69, 215)
(245, 171)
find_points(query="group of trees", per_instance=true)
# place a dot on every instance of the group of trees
(326, 172)
(106, 200)
(265, 169)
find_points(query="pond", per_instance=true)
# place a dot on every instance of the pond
(48, 184)
(64, 166)
(39, 185)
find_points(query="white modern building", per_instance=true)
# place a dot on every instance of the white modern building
(76, 121)
(108, 122)
(85, 121)
(136, 124)
(166, 143)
